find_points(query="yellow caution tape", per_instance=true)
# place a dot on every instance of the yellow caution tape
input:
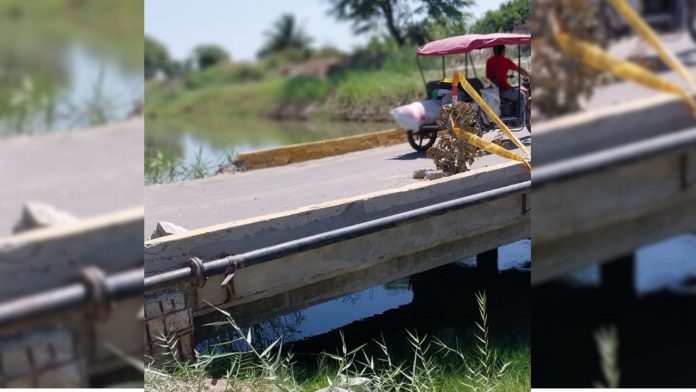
(594, 56)
(484, 144)
(649, 35)
(491, 114)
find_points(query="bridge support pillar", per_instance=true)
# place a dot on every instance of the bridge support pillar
(487, 263)
(46, 357)
(169, 326)
(618, 279)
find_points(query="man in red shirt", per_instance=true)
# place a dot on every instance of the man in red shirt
(497, 68)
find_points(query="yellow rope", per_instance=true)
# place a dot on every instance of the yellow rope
(649, 35)
(484, 144)
(594, 56)
(491, 114)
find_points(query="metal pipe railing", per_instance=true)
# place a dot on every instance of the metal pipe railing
(116, 287)
(229, 264)
(129, 284)
(621, 155)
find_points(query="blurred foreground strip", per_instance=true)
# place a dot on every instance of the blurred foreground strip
(594, 56)
(612, 180)
(602, 389)
(69, 294)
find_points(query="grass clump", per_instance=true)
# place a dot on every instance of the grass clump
(374, 87)
(304, 89)
(223, 74)
(429, 365)
(487, 371)
(162, 169)
(607, 341)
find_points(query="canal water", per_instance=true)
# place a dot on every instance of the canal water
(53, 83)
(656, 330)
(439, 302)
(211, 142)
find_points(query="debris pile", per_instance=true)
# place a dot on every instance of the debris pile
(561, 82)
(451, 154)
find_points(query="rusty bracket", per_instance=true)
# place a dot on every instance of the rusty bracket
(688, 170)
(526, 204)
(228, 284)
(94, 279)
(200, 278)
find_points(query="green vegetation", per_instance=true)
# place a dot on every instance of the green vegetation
(607, 341)
(292, 81)
(49, 21)
(398, 15)
(161, 169)
(426, 364)
(164, 152)
(156, 57)
(510, 14)
(245, 90)
(209, 55)
(35, 36)
(287, 39)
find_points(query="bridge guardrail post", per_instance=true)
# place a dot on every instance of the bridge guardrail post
(487, 263)
(168, 316)
(42, 358)
(618, 280)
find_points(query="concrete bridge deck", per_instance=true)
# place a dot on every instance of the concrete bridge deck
(611, 181)
(95, 175)
(598, 215)
(224, 198)
(84, 172)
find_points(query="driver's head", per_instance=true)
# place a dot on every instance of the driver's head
(499, 50)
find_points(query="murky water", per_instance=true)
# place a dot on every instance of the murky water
(214, 141)
(94, 76)
(440, 301)
(55, 83)
(656, 329)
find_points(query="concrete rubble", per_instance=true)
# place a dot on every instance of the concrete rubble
(37, 215)
(427, 174)
(353, 384)
(166, 228)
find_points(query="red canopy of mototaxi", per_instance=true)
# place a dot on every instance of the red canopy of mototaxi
(469, 42)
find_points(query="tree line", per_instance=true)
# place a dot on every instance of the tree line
(406, 22)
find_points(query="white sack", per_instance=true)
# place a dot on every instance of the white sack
(415, 114)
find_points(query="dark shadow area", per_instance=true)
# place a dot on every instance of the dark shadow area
(409, 156)
(439, 304)
(657, 337)
(443, 305)
(126, 377)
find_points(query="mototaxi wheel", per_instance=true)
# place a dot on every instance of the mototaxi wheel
(421, 141)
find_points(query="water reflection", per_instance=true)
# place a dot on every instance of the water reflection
(656, 329)
(665, 265)
(436, 301)
(204, 144)
(58, 74)
(98, 83)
